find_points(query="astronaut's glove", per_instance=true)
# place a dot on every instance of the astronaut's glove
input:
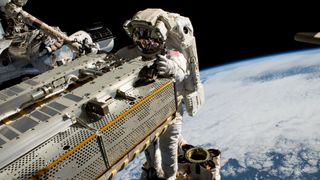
(170, 68)
(165, 66)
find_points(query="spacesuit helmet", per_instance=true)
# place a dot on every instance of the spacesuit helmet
(147, 40)
(148, 30)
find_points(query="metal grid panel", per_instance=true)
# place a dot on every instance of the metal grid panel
(130, 130)
(39, 158)
(96, 167)
(22, 168)
(104, 120)
(77, 161)
(27, 165)
(76, 138)
(63, 135)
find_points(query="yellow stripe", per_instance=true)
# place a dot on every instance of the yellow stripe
(137, 152)
(156, 137)
(126, 162)
(114, 172)
(146, 145)
(22, 112)
(104, 128)
(7, 121)
(164, 129)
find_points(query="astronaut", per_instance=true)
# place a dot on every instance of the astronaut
(28, 51)
(169, 38)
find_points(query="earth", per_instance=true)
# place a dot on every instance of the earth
(263, 114)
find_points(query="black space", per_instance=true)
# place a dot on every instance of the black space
(226, 31)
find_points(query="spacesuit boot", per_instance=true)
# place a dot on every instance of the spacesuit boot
(149, 173)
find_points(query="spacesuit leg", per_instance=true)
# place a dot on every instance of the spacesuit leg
(152, 167)
(169, 148)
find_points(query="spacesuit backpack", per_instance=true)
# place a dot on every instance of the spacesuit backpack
(181, 37)
(177, 33)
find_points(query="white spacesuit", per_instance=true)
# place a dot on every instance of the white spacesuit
(28, 51)
(168, 37)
